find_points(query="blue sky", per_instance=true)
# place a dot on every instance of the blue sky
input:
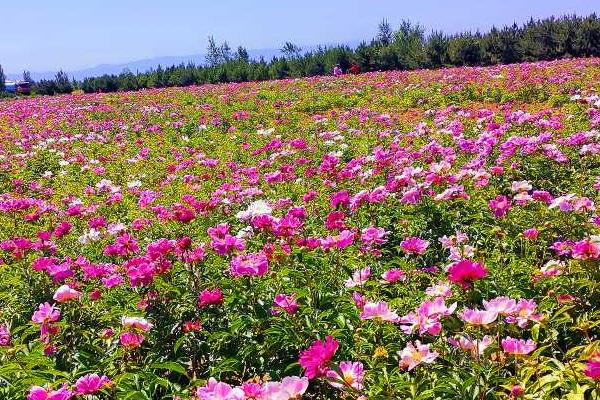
(71, 34)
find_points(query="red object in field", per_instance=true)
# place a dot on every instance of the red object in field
(354, 69)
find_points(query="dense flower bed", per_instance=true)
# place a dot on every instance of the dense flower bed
(414, 235)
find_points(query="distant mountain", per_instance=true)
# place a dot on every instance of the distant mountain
(147, 64)
(140, 65)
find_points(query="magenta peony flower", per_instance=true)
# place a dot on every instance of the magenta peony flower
(393, 275)
(91, 383)
(592, 367)
(587, 249)
(207, 297)
(252, 390)
(465, 272)
(500, 206)
(314, 359)
(39, 393)
(4, 336)
(414, 245)
(531, 233)
(131, 340)
(516, 391)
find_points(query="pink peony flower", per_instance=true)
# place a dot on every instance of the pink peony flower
(415, 354)
(523, 313)
(475, 346)
(136, 323)
(371, 236)
(552, 268)
(45, 313)
(422, 323)
(286, 303)
(359, 300)
(393, 275)
(208, 296)
(478, 317)
(518, 346)
(592, 367)
(379, 311)
(414, 245)
(440, 289)
(290, 387)
(219, 391)
(352, 375)
(314, 359)
(359, 278)
(465, 272)
(426, 319)
(500, 206)
(502, 305)
(39, 393)
(252, 264)
(65, 293)
(91, 383)
(587, 249)
(131, 340)
(4, 336)
(531, 233)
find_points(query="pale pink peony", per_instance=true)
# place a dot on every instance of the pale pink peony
(65, 293)
(352, 375)
(478, 317)
(379, 311)
(415, 354)
(137, 323)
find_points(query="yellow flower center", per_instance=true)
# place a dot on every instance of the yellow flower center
(349, 379)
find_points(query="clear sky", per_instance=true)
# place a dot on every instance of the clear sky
(71, 34)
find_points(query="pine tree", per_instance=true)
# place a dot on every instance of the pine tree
(62, 82)
(213, 54)
(291, 51)
(225, 52)
(2, 79)
(385, 34)
(242, 55)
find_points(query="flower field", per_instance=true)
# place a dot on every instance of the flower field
(398, 235)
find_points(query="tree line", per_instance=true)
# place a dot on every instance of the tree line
(407, 47)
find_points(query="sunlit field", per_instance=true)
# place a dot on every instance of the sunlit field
(398, 235)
